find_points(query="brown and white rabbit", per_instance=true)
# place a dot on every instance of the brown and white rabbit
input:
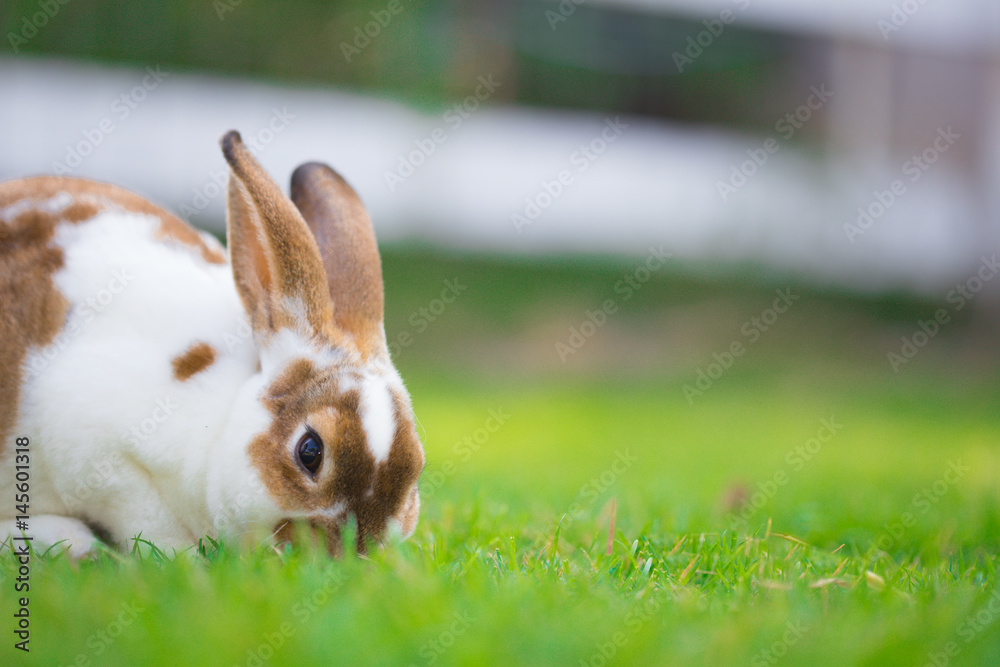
(168, 392)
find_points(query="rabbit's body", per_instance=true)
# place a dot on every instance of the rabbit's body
(131, 293)
(155, 400)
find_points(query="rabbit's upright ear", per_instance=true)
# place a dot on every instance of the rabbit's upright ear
(347, 244)
(276, 262)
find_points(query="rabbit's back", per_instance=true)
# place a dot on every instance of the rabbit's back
(116, 317)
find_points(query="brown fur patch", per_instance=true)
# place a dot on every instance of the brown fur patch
(346, 240)
(101, 195)
(410, 512)
(289, 259)
(251, 267)
(32, 310)
(349, 476)
(195, 359)
(312, 530)
(287, 400)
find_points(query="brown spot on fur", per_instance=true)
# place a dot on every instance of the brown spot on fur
(78, 212)
(287, 387)
(32, 310)
(195, 359)
(85, 193)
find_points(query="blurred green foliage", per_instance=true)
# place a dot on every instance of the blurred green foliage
(429, 52)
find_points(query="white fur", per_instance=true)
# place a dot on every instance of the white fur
(336, 511)
(114, 438)
(289, 344)
(377, 416)
(47, 530)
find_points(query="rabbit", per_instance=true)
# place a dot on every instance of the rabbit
(152, 386)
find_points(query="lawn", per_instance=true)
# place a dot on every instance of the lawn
(811, 506)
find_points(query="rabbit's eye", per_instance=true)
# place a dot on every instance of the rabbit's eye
(310, 451)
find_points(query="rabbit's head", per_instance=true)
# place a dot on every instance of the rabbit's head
(340, 439)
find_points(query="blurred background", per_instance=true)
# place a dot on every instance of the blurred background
(528, 165)
(850, 94)
(660, 267)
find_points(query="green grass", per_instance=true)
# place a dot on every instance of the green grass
(511, 562)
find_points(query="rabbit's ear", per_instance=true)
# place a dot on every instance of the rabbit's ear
(276, 263)
(346, 241)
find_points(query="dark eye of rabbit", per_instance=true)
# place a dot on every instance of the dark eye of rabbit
(310, 451)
